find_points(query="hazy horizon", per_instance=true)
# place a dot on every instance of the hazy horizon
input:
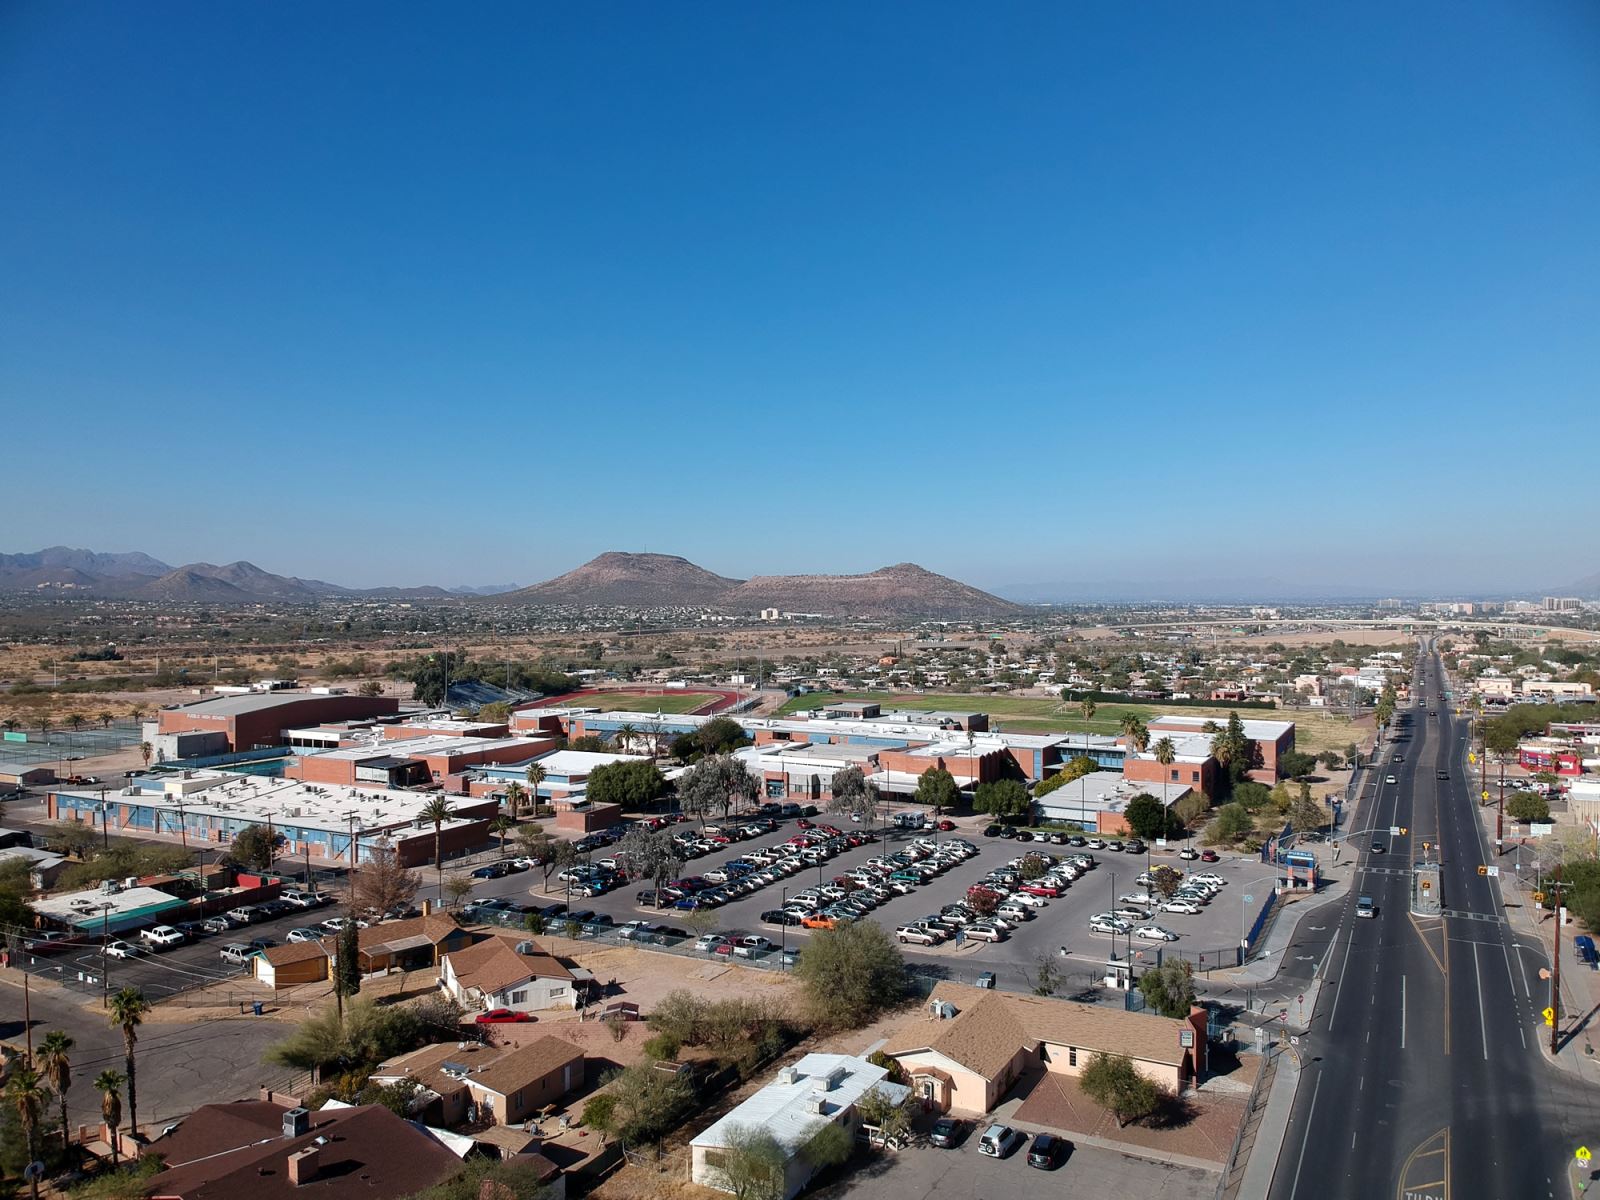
(1037, 297)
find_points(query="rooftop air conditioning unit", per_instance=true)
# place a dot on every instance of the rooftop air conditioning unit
(526, 948)
(817, 1105)
(296, 1122)
(789, 1075)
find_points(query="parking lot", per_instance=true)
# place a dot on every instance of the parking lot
(1061, 922)
(924, 1171)
(164, 972)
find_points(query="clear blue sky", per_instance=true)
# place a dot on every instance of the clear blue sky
(468, 293)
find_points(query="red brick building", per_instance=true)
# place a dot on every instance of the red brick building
(260, 719)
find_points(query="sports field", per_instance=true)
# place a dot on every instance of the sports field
(620, 701)
(1314, 731)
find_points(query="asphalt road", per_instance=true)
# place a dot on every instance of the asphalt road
(1422, 1073)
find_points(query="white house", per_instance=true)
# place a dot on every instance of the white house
(500, 973)
(818, 1090)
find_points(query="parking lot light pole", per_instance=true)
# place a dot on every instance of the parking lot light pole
(783, 933)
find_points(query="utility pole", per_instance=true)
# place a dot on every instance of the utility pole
(1555, 963)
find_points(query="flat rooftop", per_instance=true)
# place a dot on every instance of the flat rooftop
(421, 747)
(328, 807)
(1255, 730)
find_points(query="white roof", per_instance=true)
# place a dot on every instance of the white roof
(321, 806)
(1257, 731)
(785, 1109)
(580, 762)
(420, 747)
(87, 908)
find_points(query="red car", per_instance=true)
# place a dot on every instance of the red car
(802, 823)
(1040, 889)
(946, 826)
(1209, 856)
(502, 1016)
(830, 830)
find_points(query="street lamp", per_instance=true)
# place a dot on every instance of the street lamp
(783, 933)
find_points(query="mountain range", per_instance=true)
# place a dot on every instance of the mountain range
(613, 579)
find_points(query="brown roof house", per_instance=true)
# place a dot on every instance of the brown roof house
(494, 1084)
(501, 972)
(256, 1150)
(294, 962)
(974, 1044)
(411, 944)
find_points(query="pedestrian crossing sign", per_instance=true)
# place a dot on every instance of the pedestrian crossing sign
(1550, 1016)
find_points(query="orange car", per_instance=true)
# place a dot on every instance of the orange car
(818, 921)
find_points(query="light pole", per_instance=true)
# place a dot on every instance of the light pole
(105, 959)
(783, 933)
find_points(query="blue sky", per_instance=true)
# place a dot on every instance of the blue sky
(1026, 294)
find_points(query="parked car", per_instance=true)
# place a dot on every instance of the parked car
(240, 916)
(1045, 1152)
(216, 924)
(304, 935)
(1188, 854)
(301, 899)
(1155, 933)
(117, 948)
(237, 953)
(491, 871)
(1210, 856)
(502, 1016)
(708, 943)
(947, 1132)
(752, 945)
(985, 931)
(1175, 905)
(998, 1141)
(918, 935)
(163, 937)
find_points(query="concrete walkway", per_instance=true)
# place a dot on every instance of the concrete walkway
(1266, 1142)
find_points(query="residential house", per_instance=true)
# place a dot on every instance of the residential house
(295, 962)
(258, 1150)
(411, 944)
(502, 972)
(478, 1084)
(820, 1089)
(974, 1044)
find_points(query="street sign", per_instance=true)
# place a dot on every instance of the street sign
(1482, 870)
(1247, 899)
(1549, 1016)
(1394, 831)
(1485, 793)
(1494, 872)
(1472, 758)
(1582, 1154)
(1538, 897)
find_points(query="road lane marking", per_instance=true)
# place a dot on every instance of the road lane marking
(1305, 1137)
(1402, 1012)
(1338, 992)
(1483, 1022)
(1523, 967)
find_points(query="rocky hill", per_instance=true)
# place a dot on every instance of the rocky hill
(904, 589)
(628, 580)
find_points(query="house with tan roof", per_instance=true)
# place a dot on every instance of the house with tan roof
(475, 1083)
(972, 1044)
(410, 944)
(501, 972)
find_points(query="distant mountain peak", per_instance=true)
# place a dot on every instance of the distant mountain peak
(619, 577)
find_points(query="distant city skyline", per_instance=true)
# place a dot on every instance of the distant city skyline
(1049, 295)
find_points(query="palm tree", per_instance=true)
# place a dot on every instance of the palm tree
(27, 1091)
(438, 811)
(514, 796)
(535, 776)
(501, 825)
(105, 719)
(137, 712)
(10, 724)
(1088, 707)
(109, 1084)
(55, 1061)
(128, 1008)
(76, 722)
(1166, 754)
(145, 751)
(1134, 730)
(624, 736)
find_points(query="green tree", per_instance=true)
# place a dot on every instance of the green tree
(347, 965)
(1169, 988)
(649, 1103)
(937, 789)
(109, 1084)
(892, 1118)
(127, 1011)
(27, 1094)
(633, 785)
(534, 776)
(652, 855)
(515, 795)
(752, 1163)
(54, 1060)
(1135, 732)
(254, 847)
(851, 973)
(367, 1035)
(1528, 806)
(1075, 770)
(1165, 754)
(1004, 799)
(827, 1146)
(1148, 817)
(1115, 1084)
(852, 795)
(1165, 880)
(716, 783)
(501, 826)
(1306, 811)
(436, 812)
(1232, 822)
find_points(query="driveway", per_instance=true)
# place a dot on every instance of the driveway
(962, 1173)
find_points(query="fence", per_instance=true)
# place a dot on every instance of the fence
(1259, 925)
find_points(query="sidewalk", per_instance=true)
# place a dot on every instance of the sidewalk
(1266, 1145)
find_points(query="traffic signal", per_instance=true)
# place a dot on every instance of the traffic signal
(1482, 870)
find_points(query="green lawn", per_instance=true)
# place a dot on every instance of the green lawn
(1314, 731)
(672, 702)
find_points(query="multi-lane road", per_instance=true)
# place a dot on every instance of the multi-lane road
(1422, 1071)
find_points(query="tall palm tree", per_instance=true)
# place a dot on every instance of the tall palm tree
(1134, 730)
(137, 712)
(26, 1090)
(438, 811)
(145, 751)
(1089, 707)
(76, 723)
(514, 796)
(501, 826)
(105, 718)
(109, 1084)
(54, 1060)
(128, 1008)
(535, 776)
(1166, 754)
(10, 724)
(624, 736)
